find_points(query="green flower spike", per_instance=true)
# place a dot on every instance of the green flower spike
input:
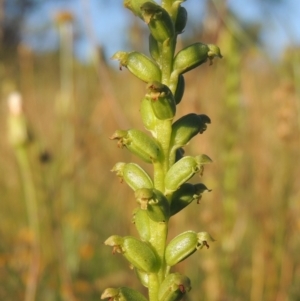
(167, 191)
(139, 143)
(184, 245)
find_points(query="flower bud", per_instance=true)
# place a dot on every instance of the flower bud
(148, 117)
(134, 175)
(162, 100)
(135, 6)
(143, 277)
(141, 221)
(174, 287)
(154, 202)
(139, 65)
(139, 143)
(186, 194)
(194, 55)
(179, 89)
(183, 170)
(137, 252)
(122, 294)
(184, 245)
(159, 21)
(185, 128)
(181, 19)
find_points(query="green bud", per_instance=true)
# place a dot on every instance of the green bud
(134, 175)
(183, 170)
(184, 245)
(154, 202)
(141, 221)
(162, 100)
(185, 128)
(159, 21)
(186, 194)
(194, 55)
(135, 6)
(122, 294)
(174, 287)
(139, 143)
(181, 19)
(148, 117)
(179, 89)
(143, 277)
(139, 65)
(137, 252)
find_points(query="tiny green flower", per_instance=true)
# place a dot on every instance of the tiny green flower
(184, 245)
(139, 65)
(174, 287)
(137, 252)
(155, 203)
(158, 20)
(186, 194)
(162, 100)
(133, 175)
(194, 55)
(183, 170)
(139, 143)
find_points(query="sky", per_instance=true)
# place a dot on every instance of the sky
(109, 21)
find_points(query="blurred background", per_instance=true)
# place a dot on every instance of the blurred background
(58, 199)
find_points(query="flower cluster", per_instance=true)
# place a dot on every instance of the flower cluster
(167, 191)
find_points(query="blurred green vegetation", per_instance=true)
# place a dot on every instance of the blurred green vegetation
(252, 212)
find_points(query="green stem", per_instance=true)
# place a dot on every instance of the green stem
(32, 214)
(159, 232)
(167, 55)
(163, 132)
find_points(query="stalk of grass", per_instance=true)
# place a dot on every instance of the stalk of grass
(65, 235)
(19, 139)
